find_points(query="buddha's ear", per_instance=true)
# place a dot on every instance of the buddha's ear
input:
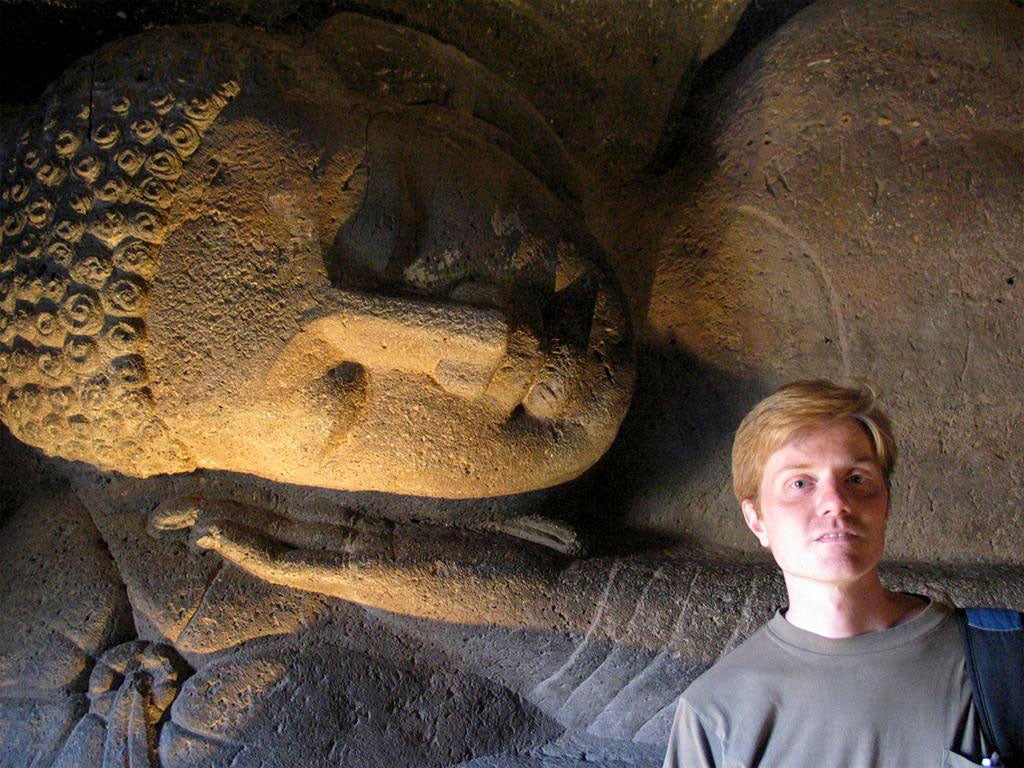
(752, 517)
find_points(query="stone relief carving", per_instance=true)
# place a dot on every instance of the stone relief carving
(172, 622)
(85, 200)
(299, 263)
(539, 644)
(130, 689)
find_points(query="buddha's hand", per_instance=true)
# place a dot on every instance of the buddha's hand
(211, 524)
(424, 570)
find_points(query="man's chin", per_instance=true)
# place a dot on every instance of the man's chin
(835, 571)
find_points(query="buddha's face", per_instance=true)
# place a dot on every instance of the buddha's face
(367, 295)
(266, 256)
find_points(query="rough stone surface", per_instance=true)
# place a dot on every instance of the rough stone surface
(844, 202)
(382, 709)
(63, 606)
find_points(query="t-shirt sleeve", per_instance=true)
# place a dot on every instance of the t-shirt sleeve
(691, 744)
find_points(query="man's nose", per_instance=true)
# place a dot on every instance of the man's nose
(832, 499)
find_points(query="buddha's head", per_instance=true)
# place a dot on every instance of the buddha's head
(351, 261)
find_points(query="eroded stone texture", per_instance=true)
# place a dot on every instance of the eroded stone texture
(854, 213)
(192, 603)
(350, 261)
(130, 689)
(382, 709)
(63, 605)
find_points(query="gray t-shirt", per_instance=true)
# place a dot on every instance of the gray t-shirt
(896, 698)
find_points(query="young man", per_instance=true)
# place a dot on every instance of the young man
(850, 673)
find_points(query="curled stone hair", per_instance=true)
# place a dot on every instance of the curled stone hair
(88, 185)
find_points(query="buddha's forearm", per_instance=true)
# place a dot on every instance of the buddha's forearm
(435, 572)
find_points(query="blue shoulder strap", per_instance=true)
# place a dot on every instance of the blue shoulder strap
(994, 619)
(994, 655)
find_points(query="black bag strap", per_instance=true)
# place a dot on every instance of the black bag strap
(994, 655)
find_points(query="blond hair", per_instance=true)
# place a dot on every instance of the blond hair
(798, 407)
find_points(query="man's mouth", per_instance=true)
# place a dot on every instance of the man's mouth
(836, 536)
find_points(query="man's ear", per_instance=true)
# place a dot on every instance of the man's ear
(753, 520)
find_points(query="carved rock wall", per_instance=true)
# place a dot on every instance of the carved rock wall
(848, 207)
(841, 200)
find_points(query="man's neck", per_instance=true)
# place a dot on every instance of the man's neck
(846, 610)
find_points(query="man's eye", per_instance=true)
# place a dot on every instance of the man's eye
(799, 484)
(858, 478)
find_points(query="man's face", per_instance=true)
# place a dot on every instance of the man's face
(822, 506)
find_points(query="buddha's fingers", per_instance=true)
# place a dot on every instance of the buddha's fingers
(374, 580)
(184, 512)
(181, 513)
(175, 514)
(327, 573)
(236, 543)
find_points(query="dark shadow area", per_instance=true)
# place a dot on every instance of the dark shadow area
(41, 39)
(759, 21)
(21, 468)
(685, 410)
(682, 419)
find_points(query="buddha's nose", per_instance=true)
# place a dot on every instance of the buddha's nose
(468, 351)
